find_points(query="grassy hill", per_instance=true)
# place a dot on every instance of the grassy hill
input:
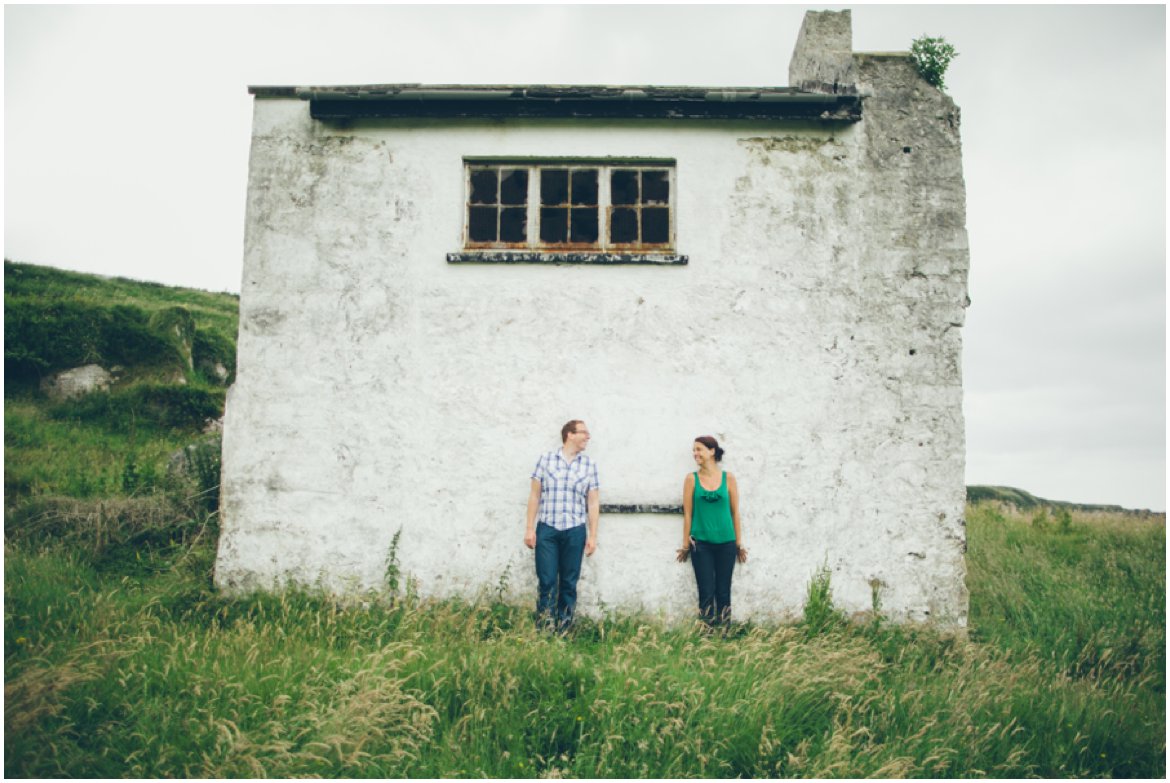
(1026, 501)
(171, 352)
(120, 659)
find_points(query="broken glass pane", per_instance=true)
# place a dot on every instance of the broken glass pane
(623, 226)
(481, 224)
(483, 186)
(554, 225)
(623, 187)
(554, 186)
(514, 186)
(655, 187)
(585, 187)
(584, 225)
(513, 224)
(655, 226)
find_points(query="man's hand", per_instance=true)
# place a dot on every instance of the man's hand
(530, 519)
(590, 546)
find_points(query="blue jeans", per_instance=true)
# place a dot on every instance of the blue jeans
(714, 564)
(558, 565)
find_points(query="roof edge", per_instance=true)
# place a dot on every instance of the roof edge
(347, 102)
(416, 91)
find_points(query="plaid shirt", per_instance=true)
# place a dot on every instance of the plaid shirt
(564, 488)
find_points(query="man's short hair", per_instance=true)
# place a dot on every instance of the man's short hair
(570, 427)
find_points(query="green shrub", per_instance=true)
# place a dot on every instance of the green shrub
(176, 326)
(932, 57)
(52, 336)
(819, 612)
(212, 348)
(130, 338)
(145, 408)
(22, 367)
(198, 468)
(42, 337)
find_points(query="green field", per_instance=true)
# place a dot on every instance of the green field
(121, 660)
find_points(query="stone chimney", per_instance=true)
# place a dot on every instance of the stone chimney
(823, 58)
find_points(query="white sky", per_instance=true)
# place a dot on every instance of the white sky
(126, 133)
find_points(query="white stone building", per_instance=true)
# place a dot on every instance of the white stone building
(437, 278)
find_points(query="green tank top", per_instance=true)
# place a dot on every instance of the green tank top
(711, 514)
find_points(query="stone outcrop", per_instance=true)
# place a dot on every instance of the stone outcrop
(77, 382)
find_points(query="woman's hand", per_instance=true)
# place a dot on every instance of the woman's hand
(740, 553)
(683, 554)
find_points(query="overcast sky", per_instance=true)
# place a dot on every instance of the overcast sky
(126, 134)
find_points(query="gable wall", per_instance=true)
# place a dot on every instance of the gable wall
(382, 389)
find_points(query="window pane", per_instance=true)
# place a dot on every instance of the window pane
(483, 186)
(514, 186)
(655, 226)
(584, 225)
(513, 224)
(481, 224)
(554, 186)
(554, 225)
(655, 187)
(585, 188)
(623, 226)
(623, 187)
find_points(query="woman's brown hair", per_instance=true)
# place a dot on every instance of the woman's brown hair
(712, 444)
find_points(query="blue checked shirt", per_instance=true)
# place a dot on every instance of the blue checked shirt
(564, 489)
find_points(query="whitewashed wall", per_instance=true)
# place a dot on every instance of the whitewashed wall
(813, 332)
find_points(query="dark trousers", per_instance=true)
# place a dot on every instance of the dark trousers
(558, 565)
(713, 565)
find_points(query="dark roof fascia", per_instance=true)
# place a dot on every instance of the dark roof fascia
(455, 101)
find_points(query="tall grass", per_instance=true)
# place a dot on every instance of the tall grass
(1088, 595)
(155, 675)
(120, 660)
(47, 455)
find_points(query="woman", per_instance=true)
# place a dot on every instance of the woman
(712, 536)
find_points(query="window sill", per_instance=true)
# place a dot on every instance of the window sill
(580, 257)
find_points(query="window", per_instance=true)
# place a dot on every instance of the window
(497, 209)
(556, 207)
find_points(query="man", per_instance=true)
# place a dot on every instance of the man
(563, 508)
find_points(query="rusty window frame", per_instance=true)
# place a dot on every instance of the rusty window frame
(502, 205)
(534, 239)
(642, 207)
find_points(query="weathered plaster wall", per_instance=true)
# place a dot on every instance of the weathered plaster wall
(814, 332)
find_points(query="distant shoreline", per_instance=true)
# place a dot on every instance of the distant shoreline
(1025, 500)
